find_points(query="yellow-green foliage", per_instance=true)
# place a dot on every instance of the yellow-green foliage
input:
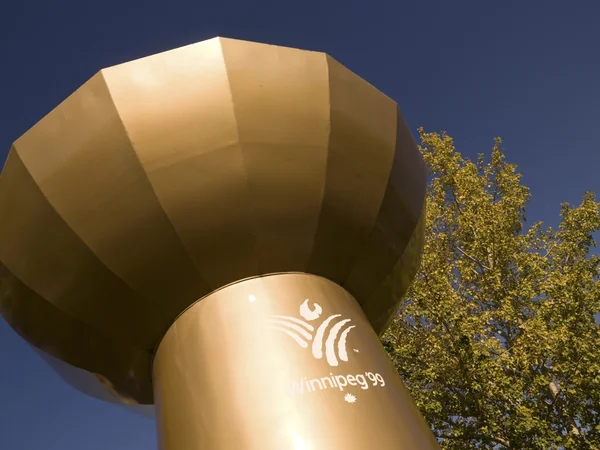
(496, 339)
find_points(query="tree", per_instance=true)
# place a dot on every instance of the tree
(496, 338)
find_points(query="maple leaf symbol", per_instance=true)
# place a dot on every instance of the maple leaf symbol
(350, 398)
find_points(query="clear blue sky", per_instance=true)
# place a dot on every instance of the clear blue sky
(528, 71)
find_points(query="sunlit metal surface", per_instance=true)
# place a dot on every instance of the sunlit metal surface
(166, 178)
(285, 361)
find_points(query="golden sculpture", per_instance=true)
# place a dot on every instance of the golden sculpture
(210, 206)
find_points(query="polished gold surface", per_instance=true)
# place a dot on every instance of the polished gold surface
(285, 361)
(163, 179)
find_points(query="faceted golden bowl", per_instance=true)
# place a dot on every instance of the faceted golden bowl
(166, 178)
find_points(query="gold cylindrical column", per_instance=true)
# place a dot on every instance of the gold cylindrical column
(286, 361)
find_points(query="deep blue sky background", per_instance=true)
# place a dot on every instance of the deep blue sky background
(528, 71)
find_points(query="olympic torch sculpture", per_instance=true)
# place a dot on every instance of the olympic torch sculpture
(222, 230)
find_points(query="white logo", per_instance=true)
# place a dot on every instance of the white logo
(302, 332)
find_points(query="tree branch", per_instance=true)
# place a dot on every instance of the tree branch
(472, 436)
(559, 402)
(476, 261)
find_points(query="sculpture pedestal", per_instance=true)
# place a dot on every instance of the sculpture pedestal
(286, 361)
